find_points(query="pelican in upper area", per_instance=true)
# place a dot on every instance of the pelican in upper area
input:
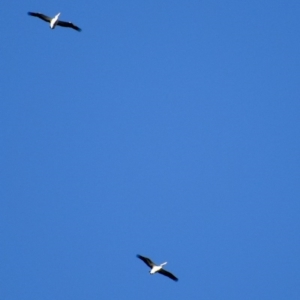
(155, 268)
(54, 21)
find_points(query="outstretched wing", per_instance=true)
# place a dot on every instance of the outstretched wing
(68, 24)
(39, 15)
(146, 260)
(168, 274)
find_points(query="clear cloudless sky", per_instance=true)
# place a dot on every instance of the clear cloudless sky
(168, 129)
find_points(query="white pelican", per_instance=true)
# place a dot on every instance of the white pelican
(54, 21)
(155, 268)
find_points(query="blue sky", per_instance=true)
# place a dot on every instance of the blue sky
(165, 128)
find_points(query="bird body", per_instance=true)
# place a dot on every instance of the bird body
(156, 268)
(54, 21)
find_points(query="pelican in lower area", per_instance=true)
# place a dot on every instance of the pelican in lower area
(156, 268)
(54, 21)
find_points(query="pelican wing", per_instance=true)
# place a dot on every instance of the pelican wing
(146, 260)
(68, 24)
(39, 15)
(168, 274)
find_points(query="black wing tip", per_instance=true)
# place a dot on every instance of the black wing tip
(143, 257)
(71, 25)
(34, 14)
(173, 277)
(168, 274)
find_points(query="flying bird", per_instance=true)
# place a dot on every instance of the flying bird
(156, 268)
(54, 21)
